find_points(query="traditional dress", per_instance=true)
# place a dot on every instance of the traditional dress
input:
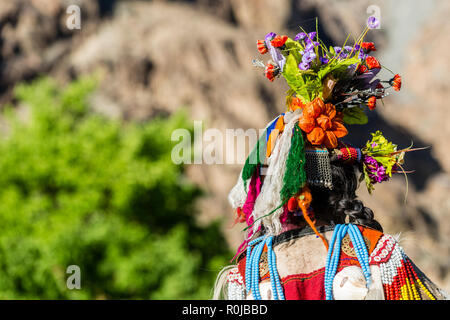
(329, 90)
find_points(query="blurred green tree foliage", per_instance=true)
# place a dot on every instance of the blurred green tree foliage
(77, 188)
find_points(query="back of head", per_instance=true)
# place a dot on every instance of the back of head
(341, 202)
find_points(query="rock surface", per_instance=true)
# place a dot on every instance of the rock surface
(157, 56)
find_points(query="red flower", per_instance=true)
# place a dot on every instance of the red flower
(372, 63)
(262, 48)
(279, 41)
(361, 69)
(372, 102)
(368, 46)
(396, 82)
(271, 71)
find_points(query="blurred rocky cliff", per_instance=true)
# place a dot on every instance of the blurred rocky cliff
(158, 56)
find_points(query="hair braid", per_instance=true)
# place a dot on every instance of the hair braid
(342, 201)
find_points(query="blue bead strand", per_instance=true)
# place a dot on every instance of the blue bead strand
(251, 276)
(255, 270)
(334, 261)
(252, 270)
(247, 269)
(277, 277)
(331, 258)
(330, 251)
(357, 247)
(278, 288)
(271, 271)
(248, 265)
(361, 252)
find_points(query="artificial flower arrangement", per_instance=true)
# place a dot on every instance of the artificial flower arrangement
(333, 86)
(381, 159)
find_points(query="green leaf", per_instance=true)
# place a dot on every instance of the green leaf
(342, 65)
(293, 48)
(355, 115)
(324, 71)
(291, 68)
(379, 145)
(294, 78)
(382, 151)
(332, 51)
(369, 184)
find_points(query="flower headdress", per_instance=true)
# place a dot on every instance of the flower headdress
(330, 88)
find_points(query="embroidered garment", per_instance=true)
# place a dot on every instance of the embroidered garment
(301, 259)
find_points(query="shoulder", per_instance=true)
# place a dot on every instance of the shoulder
(235, 285)
(384, 248)
(400, 277)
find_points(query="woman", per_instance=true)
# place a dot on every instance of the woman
(308, 236)
(301, 257)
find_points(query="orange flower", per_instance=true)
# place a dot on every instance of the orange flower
(396, 82)
(314, 108)
(271, 71)
(322, 124)
(295, 104)
(262, 48)
(372, 103)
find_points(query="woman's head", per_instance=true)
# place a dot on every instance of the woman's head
(341, 201)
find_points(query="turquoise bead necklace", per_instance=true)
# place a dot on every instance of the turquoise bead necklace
(334, 251)
(252, 268)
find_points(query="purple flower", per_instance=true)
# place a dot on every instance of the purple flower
(362, 55)
(379, 175)
(373, 23)
(374, 144)
(370, 161)
(310, 45)
(300, 36)
(376, 172)
(270, 36)
(340, 53)
(303, 66)
(324, 60)
(348, 49)
(311, 36)
(308, 56)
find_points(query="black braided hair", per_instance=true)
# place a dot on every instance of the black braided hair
(342, 201)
